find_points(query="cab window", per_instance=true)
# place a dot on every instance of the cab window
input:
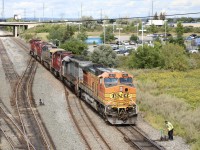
(126, 81)
(109, 82)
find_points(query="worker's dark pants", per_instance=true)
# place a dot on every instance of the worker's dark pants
(170, 134)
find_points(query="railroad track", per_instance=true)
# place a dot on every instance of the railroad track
(137, 139)
(31, 124)
(8, 139)
(11, 130)
(8, 67)
(21, 44)
(87, 129)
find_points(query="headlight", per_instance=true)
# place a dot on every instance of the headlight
(109, 107)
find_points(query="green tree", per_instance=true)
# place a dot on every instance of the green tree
(89, 23)
(162, 16)
(153, 29)
(134, 37)
(179, 29)
(56, 32)
(75, 46)
(109, 36)
(155, 16)
(173, 57)
(82, 35)
(147, 57)
(68, 33)
(104, 55)
(122, 21)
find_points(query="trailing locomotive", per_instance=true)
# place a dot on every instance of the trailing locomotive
(109, 91)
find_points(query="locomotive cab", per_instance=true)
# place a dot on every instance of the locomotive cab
(118, 93)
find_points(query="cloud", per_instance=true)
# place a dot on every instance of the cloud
(110, 8)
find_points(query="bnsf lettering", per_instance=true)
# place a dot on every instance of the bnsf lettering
(119, 95)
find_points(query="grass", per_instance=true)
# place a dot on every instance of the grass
(172, 96)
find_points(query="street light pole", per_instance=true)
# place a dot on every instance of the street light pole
(119, 33)
(79, 27)
(104, 32)
(114, 23)
(142, 33)
(165, 28)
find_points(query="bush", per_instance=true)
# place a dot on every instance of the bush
(146, 57)
(104, 55)
(133, 38)
(194, 61)
(27, 36)
(173, 57)
(75, 46)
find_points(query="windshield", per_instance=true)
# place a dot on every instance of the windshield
(110, 82)
(127, 81)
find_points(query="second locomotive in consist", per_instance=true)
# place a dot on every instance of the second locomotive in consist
(109, 91)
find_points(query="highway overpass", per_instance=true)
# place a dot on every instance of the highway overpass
(17, 25)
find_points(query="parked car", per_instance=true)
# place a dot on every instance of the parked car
(188, 38)
(193, 35)
(125, 42)
(119, 43)
(193, 51)
(114, 46)
(132, 42)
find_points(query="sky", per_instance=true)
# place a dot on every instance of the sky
(96, 8)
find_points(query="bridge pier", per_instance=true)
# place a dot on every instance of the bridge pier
(15, 31)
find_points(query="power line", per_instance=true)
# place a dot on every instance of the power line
(136, 17)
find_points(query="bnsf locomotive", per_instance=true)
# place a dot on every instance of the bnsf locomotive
(109, 91)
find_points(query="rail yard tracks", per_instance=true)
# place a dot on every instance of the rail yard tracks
(84, 124)
(32, 132)
(21, 44)
(137, 139)
(9, 70)
(11, 130)
(32, 124)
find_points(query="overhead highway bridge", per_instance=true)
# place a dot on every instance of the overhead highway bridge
(16, 26)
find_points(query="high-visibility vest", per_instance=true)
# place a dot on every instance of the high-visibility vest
(169, 126)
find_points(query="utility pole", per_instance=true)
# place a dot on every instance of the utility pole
(101, 14)
(52, 15)
(81, 11)
(2, 13)
(24, 14)
(34, 15)
(152, 10)
(43, 13)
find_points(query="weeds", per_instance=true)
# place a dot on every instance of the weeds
(173, 96)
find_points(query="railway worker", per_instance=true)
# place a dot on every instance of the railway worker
(41, 103)
(170, 129)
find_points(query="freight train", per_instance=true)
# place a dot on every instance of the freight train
(109, 91)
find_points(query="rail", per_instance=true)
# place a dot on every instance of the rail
(137, 139)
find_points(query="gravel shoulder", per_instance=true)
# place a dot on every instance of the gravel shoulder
(54, 113)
